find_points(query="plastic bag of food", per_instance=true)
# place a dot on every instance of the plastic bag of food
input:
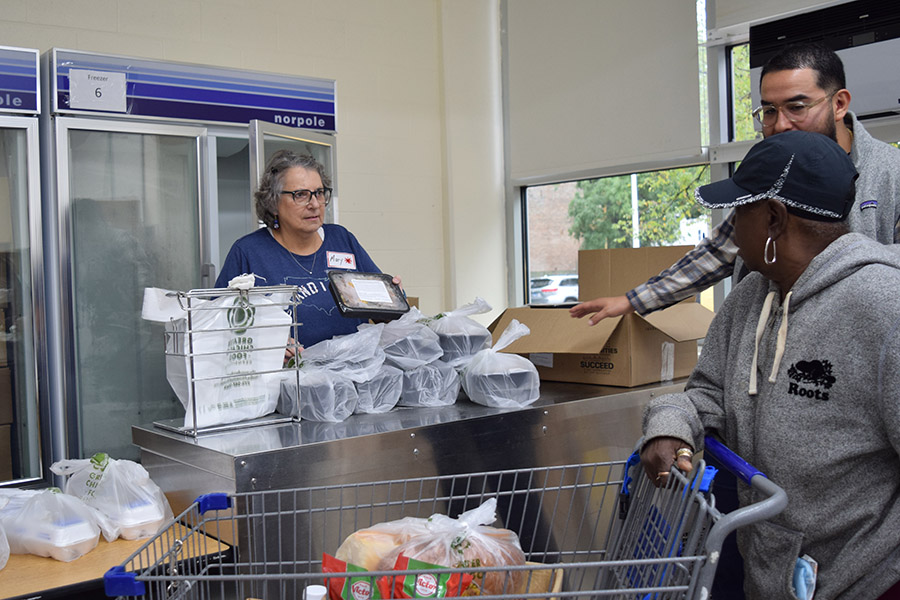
(381, 393)
(318, 394)
(368, 547)
(120, 489)
(236, 345)
(409, 344)
(502, 380)
(356, 356)
(467, 541)
(460, 336)
(4, 547)
(51, 523)
(432, 385)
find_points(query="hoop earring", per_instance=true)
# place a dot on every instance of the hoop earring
(275, 225)
(766, 252)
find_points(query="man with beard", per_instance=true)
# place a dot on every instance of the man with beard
(802, 87)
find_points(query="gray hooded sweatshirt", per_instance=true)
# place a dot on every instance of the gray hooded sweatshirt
(808, 391)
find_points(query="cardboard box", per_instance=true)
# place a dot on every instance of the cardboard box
(613, 272)
(6, 396)
(6, 472)
(623, 351)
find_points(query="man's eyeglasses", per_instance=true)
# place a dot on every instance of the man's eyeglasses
(796, 112)
(323, 195)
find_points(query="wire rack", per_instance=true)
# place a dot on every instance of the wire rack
(192, 346)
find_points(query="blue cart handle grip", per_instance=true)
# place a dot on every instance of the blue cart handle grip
(730, 460)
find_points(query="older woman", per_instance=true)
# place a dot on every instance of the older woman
(296, 247)
(800, 374)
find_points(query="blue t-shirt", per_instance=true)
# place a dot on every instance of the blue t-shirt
(259, 253)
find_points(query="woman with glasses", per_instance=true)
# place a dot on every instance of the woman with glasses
(296, 246)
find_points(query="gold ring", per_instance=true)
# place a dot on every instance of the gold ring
(684, 452)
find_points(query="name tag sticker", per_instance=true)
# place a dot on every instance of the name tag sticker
(97, 90)
(341, 260)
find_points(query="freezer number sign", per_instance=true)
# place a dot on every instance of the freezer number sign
(97, 90)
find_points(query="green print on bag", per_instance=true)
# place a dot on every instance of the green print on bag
(241, 316)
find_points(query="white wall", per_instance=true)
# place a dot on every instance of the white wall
(401, 163)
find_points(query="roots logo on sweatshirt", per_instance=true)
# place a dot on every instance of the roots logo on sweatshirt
(816, 373)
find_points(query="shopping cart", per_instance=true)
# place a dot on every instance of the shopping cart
(587, 530)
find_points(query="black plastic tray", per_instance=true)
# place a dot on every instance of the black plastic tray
(380, 300)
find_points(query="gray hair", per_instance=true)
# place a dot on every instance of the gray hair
(271, 185)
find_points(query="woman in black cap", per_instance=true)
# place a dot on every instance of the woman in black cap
(800, 375)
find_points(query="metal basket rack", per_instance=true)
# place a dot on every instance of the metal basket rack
(594, 530)
(238, 306)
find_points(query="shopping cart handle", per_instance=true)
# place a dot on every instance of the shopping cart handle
(775, 500)
(730, 460)
(118, 582)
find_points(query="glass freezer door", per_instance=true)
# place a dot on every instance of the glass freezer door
(267, 138)
(21, 303)
(129, 202)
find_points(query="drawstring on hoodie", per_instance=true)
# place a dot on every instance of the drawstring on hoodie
(779, 345)
(782, 339)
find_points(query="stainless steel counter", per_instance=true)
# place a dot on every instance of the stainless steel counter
(570, 423)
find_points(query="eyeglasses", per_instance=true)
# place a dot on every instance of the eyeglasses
(796, 112)
(323, 195)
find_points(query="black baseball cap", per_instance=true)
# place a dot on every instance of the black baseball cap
(809, 172)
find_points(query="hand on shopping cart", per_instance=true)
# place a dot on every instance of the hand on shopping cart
(659, 454)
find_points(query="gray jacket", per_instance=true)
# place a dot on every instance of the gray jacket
(824, 422)
(876, 212)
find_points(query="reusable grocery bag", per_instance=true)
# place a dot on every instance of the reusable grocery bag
(120, 489)
(502, 380)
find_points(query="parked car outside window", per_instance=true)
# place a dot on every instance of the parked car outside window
(554, 289)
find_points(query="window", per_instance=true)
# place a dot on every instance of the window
(742, 121)
(564, 218)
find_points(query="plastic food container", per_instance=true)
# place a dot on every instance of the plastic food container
(367, 295)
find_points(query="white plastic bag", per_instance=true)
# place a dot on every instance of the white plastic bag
(432, 385)
(120, 489)
(51, 523)
(322, 395)
(465, 541)
(408, 343)
(355, 356)
(382, 392)
(502, 380)
(235, 341)
(460, 336)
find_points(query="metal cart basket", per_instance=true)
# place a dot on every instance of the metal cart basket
(587, 530)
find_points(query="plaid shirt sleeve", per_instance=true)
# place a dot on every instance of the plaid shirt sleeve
(711, 261)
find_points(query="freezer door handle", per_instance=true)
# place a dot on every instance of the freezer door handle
(207, 275)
